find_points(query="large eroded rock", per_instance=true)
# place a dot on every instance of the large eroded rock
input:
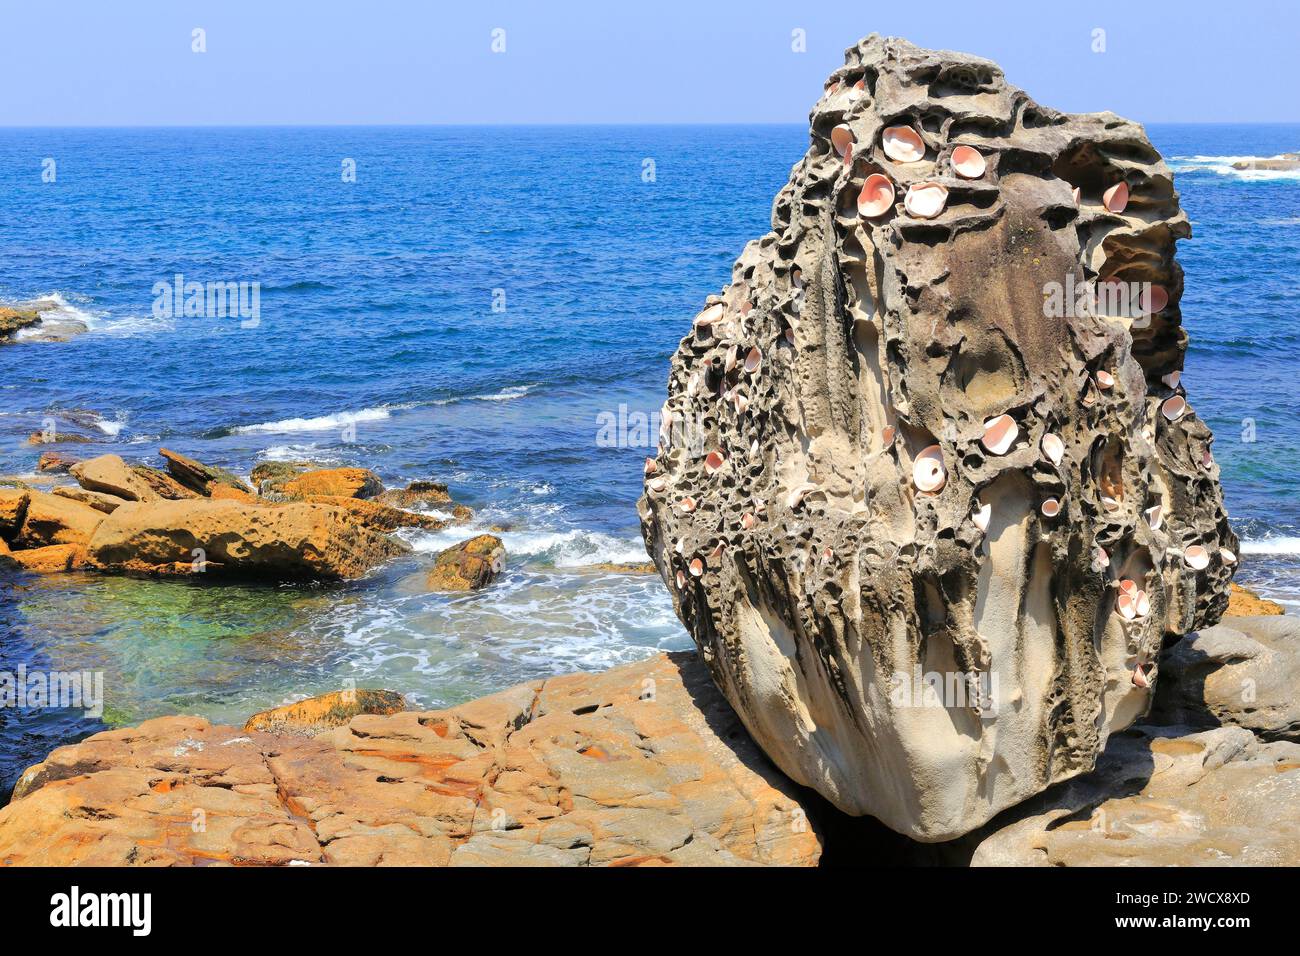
(902, 442)
(233, 537)
(641, 765)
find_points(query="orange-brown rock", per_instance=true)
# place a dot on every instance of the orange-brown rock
(55, 463)
(52, 519)
(109, 474)
(337, 482)
(1244, 602)
(468, 566)
(315, 715)
(96, 499)
(51, 559)
(163, 484)
(641, 765)
(13, 505)
(380, 517)
(299, 540)
(220, 492)
(418, 494)
(59, 438)
(197, 476)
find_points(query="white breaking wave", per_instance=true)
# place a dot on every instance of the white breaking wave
(505, 395)
(322, 423)
(1271, 546)
(1222, 165)
(563, 549)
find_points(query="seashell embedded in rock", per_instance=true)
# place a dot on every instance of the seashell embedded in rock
(1197, 558)
(1174, 407)
(1051, 507)
(753, 361)
(1154, 299)
(842, 140)
(1053, 448)
(968, 162)
(687, 505)
(903, 144)
(925, 200)
(981, 515)
(928, 472)
(714, 461)
(876, 197)
(697, 567)
(1000, 434)
(1172, 378)
(1115, 199)
(1154, 515)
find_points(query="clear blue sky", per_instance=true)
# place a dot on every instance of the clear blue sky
(129, 62)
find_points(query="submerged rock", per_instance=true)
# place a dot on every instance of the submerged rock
(468, 566)
(234, 538)
(315, 715)
(643, 765)
(904, 442)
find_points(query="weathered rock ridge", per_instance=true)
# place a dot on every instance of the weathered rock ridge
(902, 441)
(641, 765)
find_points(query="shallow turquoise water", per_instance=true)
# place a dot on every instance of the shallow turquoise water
(378, 345)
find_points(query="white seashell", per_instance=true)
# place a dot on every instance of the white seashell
(697, 567)
(1140, 676)
(928, 472)
(1105, 380)
(748, 521)
(981, 516)
(753, 361)
(903, 144)
(1000, 434)
(714, 461)
(1051, 507)
(1053, 448)
(658, 484)
(1174, 407)
(681, 580)
(1115, 199)
(1100, 559)
(1227, 557)
(1155, 515)
(796, 496)
(925, 200)
(1110, 504)
(1172, 379)
(651, 466)
(1196, 558)
(687, 505)
(842, 140)
(1142, 604)
(968, 162)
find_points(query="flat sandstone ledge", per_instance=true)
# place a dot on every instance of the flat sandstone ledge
(644, 764)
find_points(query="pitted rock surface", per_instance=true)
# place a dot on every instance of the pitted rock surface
(858, 359)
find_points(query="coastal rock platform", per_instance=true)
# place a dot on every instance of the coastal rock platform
(642, 765)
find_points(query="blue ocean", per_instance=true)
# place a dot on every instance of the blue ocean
(476, 306)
